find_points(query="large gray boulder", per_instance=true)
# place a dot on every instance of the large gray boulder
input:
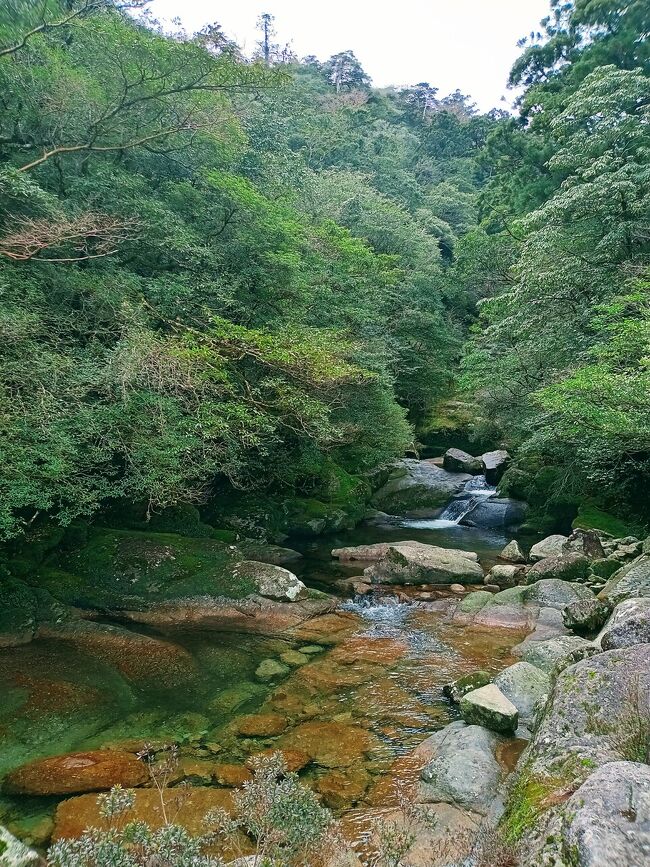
(505, 575)
(628, 625)
(554, 654)
(458, 461)
(556, 593)
(368, 553)
(525, 686)
(628, 582)
(607, 821)
(425, 564)
(495, 463)
(568, 567)
(551, 546)
(496, 513)
(598, 713)
(490, 708)
(418, 487)
(463, 769)
(585, 616)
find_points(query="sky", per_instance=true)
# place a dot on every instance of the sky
(465, 44)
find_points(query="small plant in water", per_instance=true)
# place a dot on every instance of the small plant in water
(283, 822)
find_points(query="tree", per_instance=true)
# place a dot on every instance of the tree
(345, 72)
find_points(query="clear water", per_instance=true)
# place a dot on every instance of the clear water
(384, 677)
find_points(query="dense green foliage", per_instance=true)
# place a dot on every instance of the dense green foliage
(559, 363)
(222, 274)
(214, 272)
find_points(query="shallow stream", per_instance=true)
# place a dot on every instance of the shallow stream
(362, 704)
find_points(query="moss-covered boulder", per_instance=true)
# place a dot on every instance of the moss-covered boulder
(417, 487)
(631, 581)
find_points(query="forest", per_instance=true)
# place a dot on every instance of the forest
(227, 277)
(324, 448)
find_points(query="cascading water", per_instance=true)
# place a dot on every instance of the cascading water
(475, 490)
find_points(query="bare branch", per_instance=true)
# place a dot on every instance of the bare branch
(90, 236)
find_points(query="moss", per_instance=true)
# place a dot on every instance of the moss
(473, 602)
(590, 517)
(126, 568)
(527, 801)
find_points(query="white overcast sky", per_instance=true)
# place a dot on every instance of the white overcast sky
(465, 44)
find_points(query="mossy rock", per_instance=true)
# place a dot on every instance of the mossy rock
(130, 569)
(590, 517)
(183, 519)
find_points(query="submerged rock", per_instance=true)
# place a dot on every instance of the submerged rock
(261, 725)
(417, 486)
(551, 546)
(426, 564)
(77, 772)
(490, 708)
(271, 669)
(330, 744)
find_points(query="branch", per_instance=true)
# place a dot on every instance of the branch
(91, 236)
(87, 7)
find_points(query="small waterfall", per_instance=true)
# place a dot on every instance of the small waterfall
(475, 490)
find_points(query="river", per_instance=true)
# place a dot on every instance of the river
(367, 700)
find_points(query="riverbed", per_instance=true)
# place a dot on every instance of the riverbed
(362, 699)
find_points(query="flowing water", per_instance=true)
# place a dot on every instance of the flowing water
(358, 706)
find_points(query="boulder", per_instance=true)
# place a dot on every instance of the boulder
(426, 564)
(458, 461)
(585, 542)
(555, 593)
(455, 690)
(495, 464)
(504, 576)
(554, 654)
(596, 716)
(551, 546)
(496, 513)
(92, 771)
(628, 625)
(18, 607)
(568, 567)
(630, 581)
(271, 582)
(417, 487)
(490, 708)
(343, 788)
(13, 853)
(585, 616)
(232, 776)
(370, 553)
(526, 686)
(463, 769)
(607, 821)
(513, 553)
